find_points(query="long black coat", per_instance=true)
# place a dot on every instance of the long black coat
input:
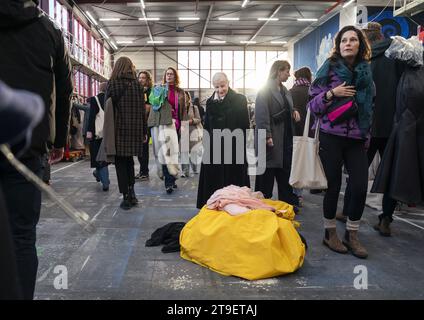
(401, 172)
(300, 96)
(230, 114)
(130, 115)
(386, 74)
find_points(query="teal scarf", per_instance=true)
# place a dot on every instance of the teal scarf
(363, 85)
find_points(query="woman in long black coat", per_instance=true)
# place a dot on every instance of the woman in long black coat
(130, 125)
(225, 109)
(400, 175)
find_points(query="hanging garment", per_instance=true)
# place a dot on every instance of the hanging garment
(256, 245)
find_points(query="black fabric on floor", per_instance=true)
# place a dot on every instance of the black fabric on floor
(169, 235)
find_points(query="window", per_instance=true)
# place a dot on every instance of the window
(227, 60)
(244, 69)
(216, 60)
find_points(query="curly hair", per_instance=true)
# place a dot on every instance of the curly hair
(148, 75)
(364, 53)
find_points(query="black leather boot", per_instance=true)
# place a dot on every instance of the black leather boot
(126, 204)
(133, 199)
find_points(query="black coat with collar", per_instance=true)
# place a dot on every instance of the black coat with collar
(230, 114)
(270, 102)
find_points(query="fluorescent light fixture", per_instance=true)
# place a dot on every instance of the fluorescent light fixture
(189, 18)
(348, 3)
(155, 41)
(109, 19)
(124, 42)
(186, 41)
(142, 4)
(244, 3)
(103, 33)
(228, 19)
(149, 19)
(278, 42)
(90, 17)
(307, 19)
(217, 41)
(268, 19)
(113, 45)
(250, 42)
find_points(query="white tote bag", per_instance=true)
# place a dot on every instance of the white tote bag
(100, 119)
(306, 170)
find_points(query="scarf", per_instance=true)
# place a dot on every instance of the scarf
(362, 81)
(302, 82)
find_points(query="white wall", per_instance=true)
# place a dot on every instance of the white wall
(348, 16)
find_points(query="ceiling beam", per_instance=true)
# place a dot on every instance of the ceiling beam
(205, 2)
(266, 22)
(206, 25)
(147, 23)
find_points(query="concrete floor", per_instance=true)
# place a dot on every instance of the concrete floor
(115, 264)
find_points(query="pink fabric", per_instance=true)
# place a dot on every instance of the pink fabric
(237, 200)
(173, 100)
(339, 111)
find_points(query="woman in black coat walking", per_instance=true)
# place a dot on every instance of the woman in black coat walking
(130, 125)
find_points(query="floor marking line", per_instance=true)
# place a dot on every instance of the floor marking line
(73, 164)
(85, 262)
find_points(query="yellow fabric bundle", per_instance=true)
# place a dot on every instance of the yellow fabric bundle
(254, 245)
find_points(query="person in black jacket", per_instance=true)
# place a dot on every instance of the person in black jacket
(225, 109)
(33, 57)
(400, 176)
(20, 112)
(145, 79)
(101, 173)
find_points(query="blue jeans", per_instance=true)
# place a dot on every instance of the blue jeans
(103, 174)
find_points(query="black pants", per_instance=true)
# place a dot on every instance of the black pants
(144, 159)
(9, 285)
(389, 204)
(125, 173)
(334, 152)
(376, 144)
(23, 203)
(169, 179)
(265, 182)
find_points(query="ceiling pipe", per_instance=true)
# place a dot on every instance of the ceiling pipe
(333, 6)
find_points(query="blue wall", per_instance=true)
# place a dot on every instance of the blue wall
(315, 47)
(395, 26)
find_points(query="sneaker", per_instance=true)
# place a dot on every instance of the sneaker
(137, 176)
(183, 175)
(174, 186)
(144, 177)
(105, 188)
(96, 176)
(169, 190)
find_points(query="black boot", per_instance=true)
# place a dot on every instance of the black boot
(126, 204)
(133, 199)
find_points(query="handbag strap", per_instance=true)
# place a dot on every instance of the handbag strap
(306, 128)
(98, 103)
